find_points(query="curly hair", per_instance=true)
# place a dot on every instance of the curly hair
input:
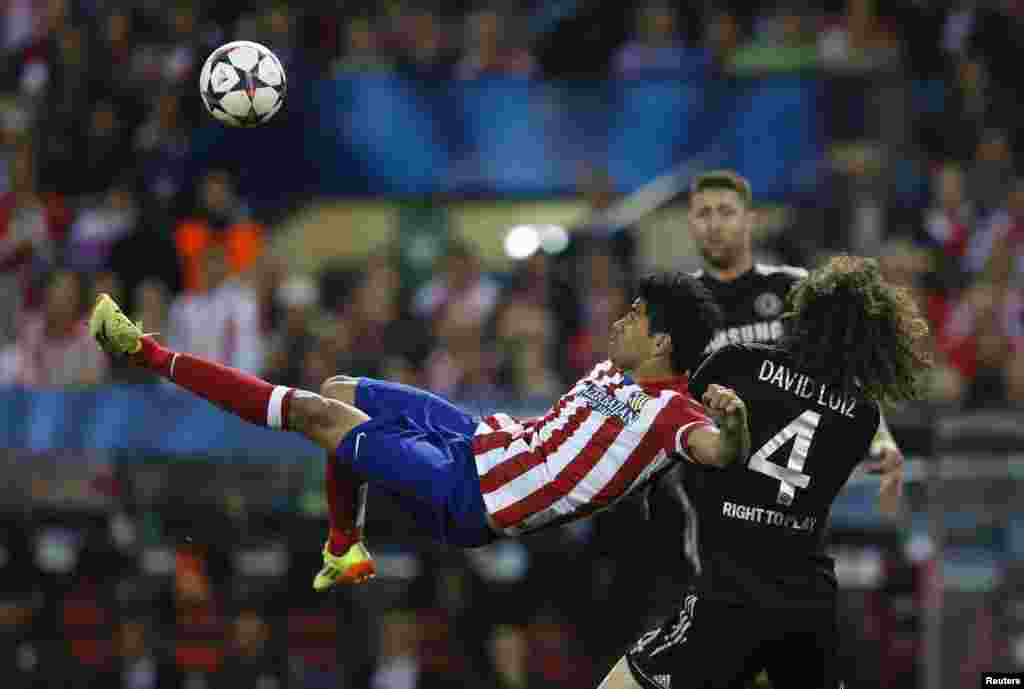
(846, 326)
(680, 305)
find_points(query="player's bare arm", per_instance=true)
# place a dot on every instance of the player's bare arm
(887, 461)
(729, 442)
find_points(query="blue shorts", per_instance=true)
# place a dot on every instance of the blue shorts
(418, 448)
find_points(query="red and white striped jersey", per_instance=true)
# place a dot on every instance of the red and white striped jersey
(603, 439)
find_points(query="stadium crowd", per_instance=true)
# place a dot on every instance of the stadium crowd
(99, 106)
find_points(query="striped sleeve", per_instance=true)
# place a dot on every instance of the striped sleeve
(686, 415)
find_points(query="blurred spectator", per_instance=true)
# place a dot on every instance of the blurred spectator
(151, 304)
(117, 49)
(525, 333)
(461, 366)
(782, 44)
(279, 30)
(377, 321)
(32, 225)
(596, 187)
(194, 593)
(604, 299)
(990, 174)
(555, 656)
(18, 19)
(399, 662)
(181, 52)
(509, 650)
(31, 657)
(98, 227)
(950, 226)
(298, 298)
(722, 40)
(13, 128)
(460, 291)
(321, 360)
(361, 53)
(162, 146)
(858, 212)
(982, 332)
(251, 660)
(68, 76)
(488, 51)
(658, 47)
(400, 369)
(138, 663)
(967, 109)
(1007, 229)
(106, 281)
(423, 55)
(106, 148)
(53, 347)
(161, 258)
(220, 321)
(858, 39)
(220, 218)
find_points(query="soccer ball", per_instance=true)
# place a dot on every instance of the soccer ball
(242, 84)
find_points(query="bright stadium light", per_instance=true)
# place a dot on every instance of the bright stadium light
(521, 242)
(554, 239)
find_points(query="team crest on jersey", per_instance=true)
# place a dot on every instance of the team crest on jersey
(768, 305)
(637, 401)
(608, 404)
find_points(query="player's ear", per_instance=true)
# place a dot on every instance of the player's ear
(754, 217)
(663, 344)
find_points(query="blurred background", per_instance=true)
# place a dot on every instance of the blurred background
(459, 196)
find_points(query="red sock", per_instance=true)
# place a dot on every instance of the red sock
(246, 396)
(346, 506)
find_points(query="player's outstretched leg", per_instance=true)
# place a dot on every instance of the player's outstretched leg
(323, 421)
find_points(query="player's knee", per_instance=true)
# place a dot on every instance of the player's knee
(309, 412)
(339, 387)
(323, 420)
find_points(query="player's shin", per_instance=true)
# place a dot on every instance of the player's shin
(346, 506)
(244, 395)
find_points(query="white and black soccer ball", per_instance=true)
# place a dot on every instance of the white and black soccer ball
(243, 84)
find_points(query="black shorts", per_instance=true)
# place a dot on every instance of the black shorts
(709, 644)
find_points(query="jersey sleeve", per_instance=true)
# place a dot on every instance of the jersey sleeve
(685, 415)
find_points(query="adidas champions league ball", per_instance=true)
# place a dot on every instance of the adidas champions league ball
(242, 84)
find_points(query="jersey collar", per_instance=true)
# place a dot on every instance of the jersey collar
(738, 279)
(679, 384)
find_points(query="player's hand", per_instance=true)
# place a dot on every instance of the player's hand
(887, 461)
(884, 459)
(725, 405)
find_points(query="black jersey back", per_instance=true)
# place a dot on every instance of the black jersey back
(752, 303)
(762, 524)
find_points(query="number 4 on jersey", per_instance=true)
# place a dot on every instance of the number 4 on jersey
(791, 476)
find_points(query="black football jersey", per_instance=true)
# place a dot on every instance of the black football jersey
(761, 525)
(752, 303)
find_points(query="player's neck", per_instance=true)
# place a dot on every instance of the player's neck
(731, 272)
(652, 370)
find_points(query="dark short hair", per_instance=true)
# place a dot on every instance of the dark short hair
(723, 179)
(681, 306)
